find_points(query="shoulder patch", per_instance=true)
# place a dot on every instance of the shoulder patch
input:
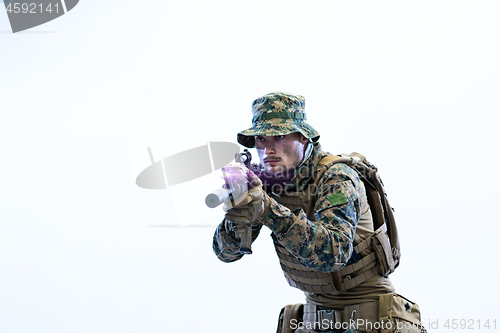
(337, 198)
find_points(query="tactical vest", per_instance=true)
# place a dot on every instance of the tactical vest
(375, 252)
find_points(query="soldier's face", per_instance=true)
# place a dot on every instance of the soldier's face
(282, 153)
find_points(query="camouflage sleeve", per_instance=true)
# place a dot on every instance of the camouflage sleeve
(225, 244)
(325, 244)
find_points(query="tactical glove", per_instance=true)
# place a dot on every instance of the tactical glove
(253, 208)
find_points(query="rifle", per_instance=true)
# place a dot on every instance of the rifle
(234, 191)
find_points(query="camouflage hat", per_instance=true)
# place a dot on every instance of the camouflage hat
(277, 113)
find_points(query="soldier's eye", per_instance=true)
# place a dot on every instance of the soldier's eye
(259, 138)
(279, 137)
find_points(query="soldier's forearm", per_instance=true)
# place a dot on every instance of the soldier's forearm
(226, 245)
(324, 245)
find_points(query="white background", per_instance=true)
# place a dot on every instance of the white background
(414, 86)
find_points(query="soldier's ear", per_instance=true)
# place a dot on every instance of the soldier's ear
(303, 139)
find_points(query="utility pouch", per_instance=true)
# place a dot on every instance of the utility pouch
(384, 253)
(399, 315)
(290, 317)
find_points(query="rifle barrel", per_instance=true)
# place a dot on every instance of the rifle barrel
(217, 197)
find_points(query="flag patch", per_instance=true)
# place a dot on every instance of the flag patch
(337, 198)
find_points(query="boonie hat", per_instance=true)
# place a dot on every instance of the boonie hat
(277, 113)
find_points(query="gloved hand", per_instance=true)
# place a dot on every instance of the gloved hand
(253, 208)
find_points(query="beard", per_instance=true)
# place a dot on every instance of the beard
(291, 157)
(280, 174)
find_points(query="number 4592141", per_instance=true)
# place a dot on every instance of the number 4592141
(470, 324)
(31, 8)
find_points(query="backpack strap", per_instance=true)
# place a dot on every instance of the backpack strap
(335, 159)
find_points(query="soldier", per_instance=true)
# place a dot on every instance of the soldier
(317, 212)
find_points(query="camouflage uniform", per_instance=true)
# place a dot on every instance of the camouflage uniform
(324, 243)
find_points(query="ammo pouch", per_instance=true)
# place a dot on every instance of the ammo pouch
(398, 314)
(386, 257)
(289, 318)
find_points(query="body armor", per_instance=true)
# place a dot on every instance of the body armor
(376, 244)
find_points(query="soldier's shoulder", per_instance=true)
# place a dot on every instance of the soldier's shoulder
(339, 171)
